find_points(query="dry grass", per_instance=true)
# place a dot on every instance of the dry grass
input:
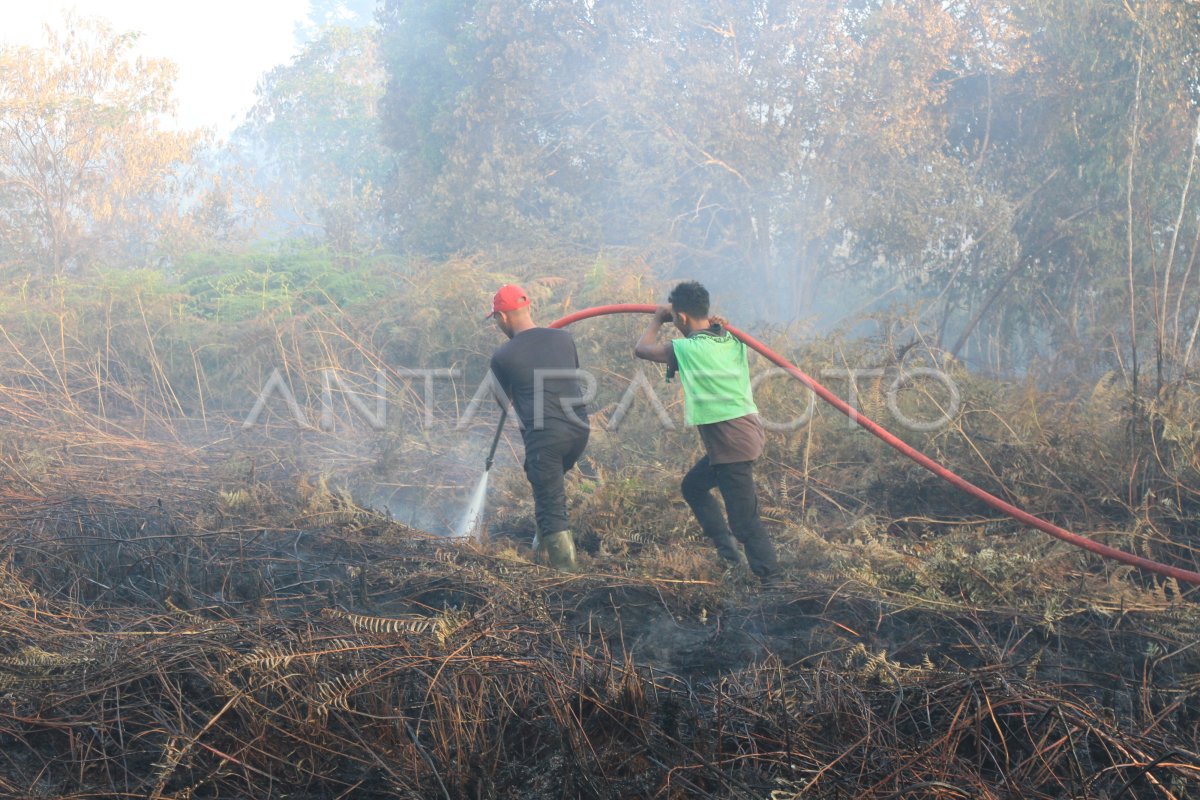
(192, 610)
(312, 648)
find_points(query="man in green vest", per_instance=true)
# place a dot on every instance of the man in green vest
(711, 363)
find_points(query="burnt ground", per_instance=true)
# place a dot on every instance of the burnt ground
(268, 646)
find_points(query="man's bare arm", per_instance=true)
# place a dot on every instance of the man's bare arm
(648, 347)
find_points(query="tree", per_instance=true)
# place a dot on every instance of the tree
(86, 173)
(724, 136)
(334, 14)
(436, 73)
(1022, 172)
(313, 138)
(1092, 139)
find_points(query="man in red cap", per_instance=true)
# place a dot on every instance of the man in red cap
(538, 368)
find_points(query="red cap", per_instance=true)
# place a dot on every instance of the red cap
(509, 298)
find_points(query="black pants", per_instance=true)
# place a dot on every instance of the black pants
(549, 455)
(736, 482)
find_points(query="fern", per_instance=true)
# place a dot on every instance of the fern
(440, 627)
(336, 693)
(34, 659)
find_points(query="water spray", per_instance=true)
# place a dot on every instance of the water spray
(468, 526)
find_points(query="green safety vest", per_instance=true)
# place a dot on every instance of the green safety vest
(715, 377)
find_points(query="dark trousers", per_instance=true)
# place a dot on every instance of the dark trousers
(549, 455)
(736, 483)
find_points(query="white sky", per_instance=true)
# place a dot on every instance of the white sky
(222, 47)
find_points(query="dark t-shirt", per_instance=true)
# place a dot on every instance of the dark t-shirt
(550, 352)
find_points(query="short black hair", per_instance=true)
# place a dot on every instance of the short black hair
(691, 298)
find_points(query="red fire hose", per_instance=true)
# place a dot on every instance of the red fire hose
(1187, 576)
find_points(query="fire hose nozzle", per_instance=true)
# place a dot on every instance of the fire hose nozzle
(491, 456)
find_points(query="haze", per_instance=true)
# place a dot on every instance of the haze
(221, 48)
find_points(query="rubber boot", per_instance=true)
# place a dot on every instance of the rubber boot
(559, 549)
